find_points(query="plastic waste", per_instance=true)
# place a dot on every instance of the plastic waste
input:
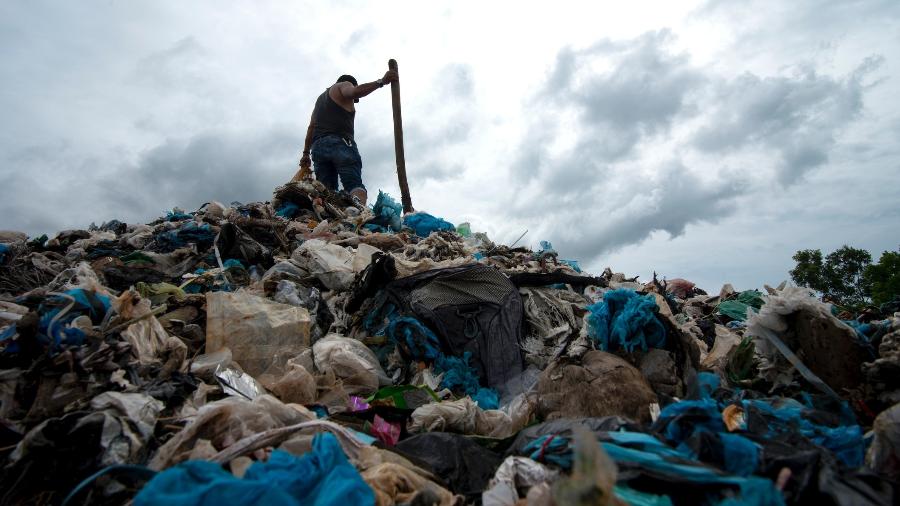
(884, 454)
(398, 484)
(333, 265)
(465, 466)
(424, 224)
(352, 362)
(465, 417)
(222, 423)
(238, 383)
(601, 384)
(322, 477)
(254, 328)
(388, 214)
(624, 319)
(736, 309)
(515, 473)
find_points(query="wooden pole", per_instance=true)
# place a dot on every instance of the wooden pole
(398, 142)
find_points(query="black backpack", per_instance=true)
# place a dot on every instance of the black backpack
(472, 308)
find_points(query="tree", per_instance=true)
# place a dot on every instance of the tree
(839, 278)
(884, 277)
(808, 271)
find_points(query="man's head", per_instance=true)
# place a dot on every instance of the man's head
(347, 78)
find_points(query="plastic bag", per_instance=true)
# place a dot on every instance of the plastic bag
(513, 474)
(465, 417)
(254, 328)
(351, 361)
(333, 265)
(227, 421)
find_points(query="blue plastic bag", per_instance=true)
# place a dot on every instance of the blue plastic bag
(322, 477)
(424, 224)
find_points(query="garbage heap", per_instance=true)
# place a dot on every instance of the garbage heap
(312, 351)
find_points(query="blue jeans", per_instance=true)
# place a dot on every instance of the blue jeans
(333, 157)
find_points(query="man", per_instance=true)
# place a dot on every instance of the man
(329, 137)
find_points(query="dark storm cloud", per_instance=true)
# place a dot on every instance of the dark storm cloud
(604, 160)
(642, 91)
(798, 117)
(673, 200)
(451, 117)
(213, 165)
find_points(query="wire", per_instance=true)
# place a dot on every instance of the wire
(140, 471)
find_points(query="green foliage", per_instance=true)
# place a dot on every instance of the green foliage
(839, 278)
(884, 277)
(809, 269)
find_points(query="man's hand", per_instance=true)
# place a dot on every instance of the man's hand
(390, 76)
(304, 173)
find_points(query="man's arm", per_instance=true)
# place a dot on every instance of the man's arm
(305, 161)
(351, 92)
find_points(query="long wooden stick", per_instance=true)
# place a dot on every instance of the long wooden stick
(398, 142)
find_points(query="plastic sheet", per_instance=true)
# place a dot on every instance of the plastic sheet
(424, 224)
(398, 484)
(222, 423)
(333, 265)
(465, 417)
(254, 328)
(466, 467)
(736, 309)
(238, 383)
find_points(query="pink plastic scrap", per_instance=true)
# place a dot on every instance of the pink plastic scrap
(386, 432)
(358, 404)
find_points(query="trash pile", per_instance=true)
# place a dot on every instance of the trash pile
(314, 351)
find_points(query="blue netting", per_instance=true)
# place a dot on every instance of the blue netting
(424, 224)
(741, 455)
(458, 375)
(787, 416)
(487, 398)
(419, 341)
(4, 249)
(753, 490)
(624, 319)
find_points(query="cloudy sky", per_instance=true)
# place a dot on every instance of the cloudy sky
(708, 140)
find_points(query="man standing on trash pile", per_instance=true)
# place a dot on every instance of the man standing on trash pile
(329, 136)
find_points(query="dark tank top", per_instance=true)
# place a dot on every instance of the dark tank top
(332, 119)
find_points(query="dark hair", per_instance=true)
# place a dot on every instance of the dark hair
(347, 78)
